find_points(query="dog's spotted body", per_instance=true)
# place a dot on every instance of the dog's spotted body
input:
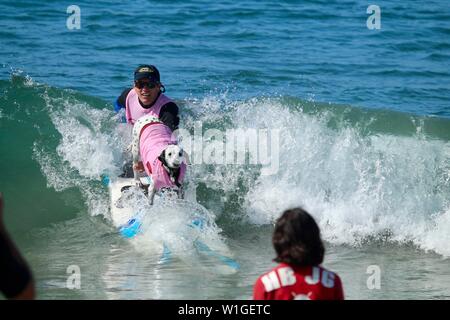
(162, 158)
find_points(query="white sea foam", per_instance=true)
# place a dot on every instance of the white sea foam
(358, 187)
(176, 226)
(88, 148)
(91, 144)
(379, 186)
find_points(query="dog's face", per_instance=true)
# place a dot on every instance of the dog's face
(173, 156)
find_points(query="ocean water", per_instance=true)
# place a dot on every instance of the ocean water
(363, 117)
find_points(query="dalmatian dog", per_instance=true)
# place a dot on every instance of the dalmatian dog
(156, 151)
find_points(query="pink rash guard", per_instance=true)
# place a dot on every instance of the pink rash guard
(154, 138)
(134, 110)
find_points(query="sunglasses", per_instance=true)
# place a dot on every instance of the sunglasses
(142, 84)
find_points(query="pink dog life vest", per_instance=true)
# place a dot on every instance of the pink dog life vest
(153, 138)
(134, 110)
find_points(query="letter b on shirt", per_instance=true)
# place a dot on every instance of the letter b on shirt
(271, 282)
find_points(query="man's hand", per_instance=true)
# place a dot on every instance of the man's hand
(139, 167)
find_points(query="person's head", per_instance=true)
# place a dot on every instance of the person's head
(296, 239)
(147, 83)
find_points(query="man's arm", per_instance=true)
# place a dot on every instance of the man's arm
(339, 291)
(16, 280)
(120, 102)
(169, 115)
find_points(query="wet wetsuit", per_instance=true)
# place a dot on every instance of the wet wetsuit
(168, 114)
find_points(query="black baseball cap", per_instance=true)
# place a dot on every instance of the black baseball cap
(146, 71)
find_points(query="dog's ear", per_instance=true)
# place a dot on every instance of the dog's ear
(162, 157)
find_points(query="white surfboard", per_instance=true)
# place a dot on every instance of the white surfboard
(123, 216)
(129, 222)
(119, 214)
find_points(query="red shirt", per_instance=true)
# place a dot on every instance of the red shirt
(286, 282)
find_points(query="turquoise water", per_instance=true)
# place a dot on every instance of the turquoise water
(365, 130)
(316, 49)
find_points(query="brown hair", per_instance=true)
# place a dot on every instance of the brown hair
(296, 239)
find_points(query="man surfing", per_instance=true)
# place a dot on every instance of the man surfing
(147, 97)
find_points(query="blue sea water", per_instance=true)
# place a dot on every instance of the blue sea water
(321, 50)
(366, 149)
